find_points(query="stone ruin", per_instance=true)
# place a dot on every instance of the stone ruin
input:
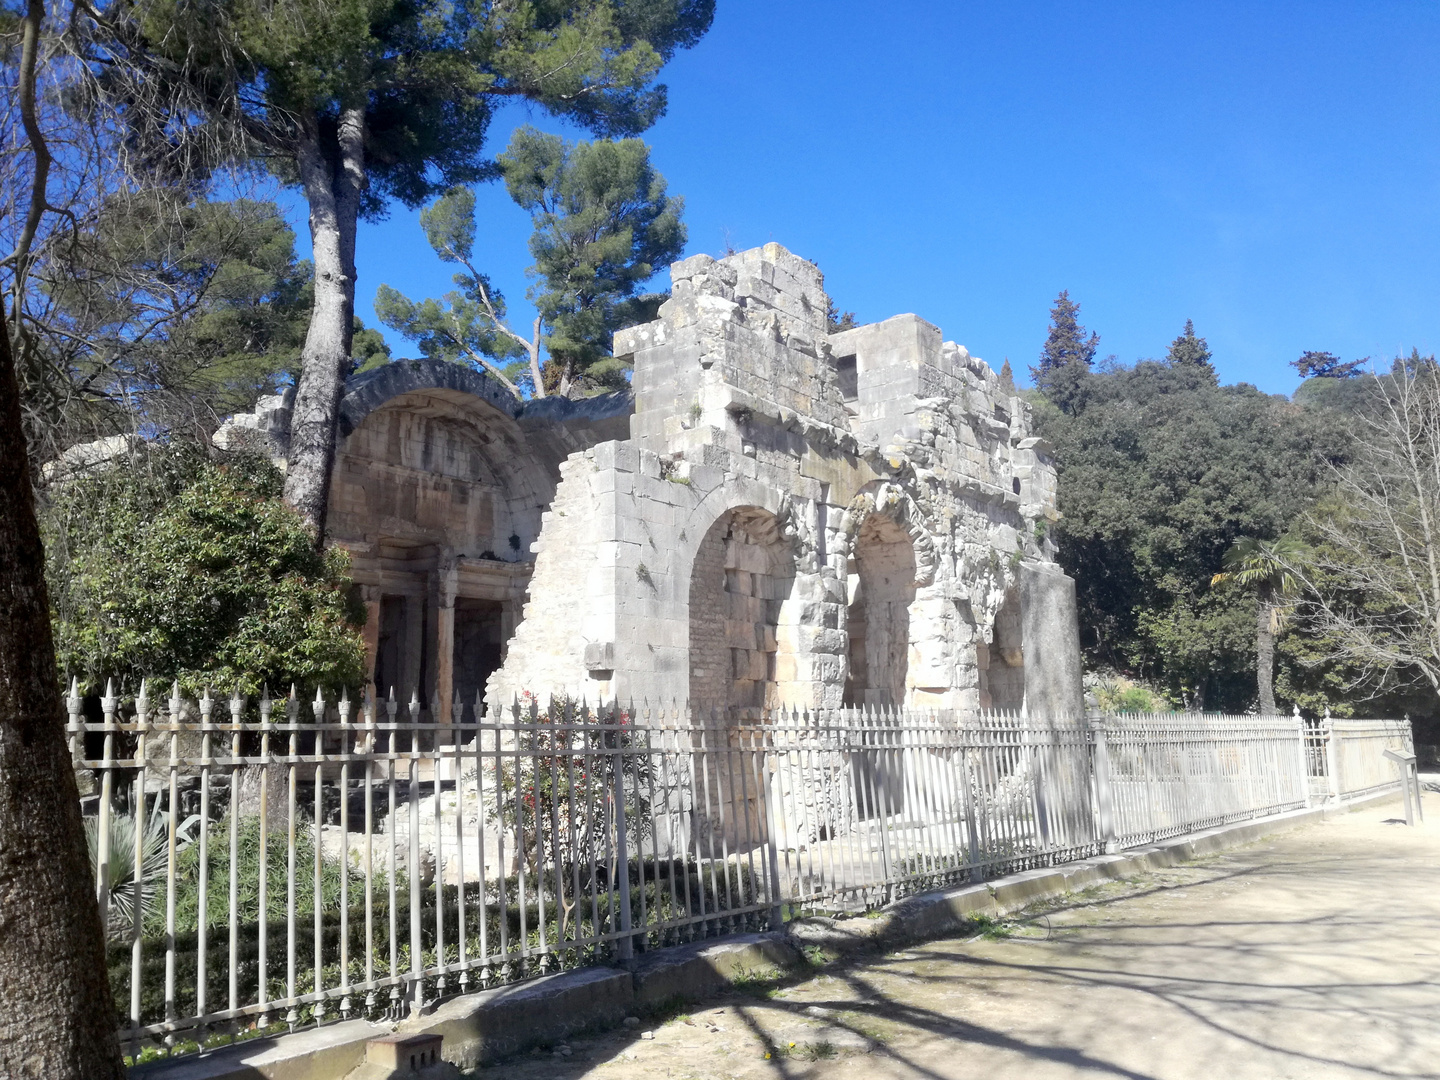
(771, 517)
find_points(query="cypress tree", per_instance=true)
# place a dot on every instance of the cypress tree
(1191, 353)
(1065, 361)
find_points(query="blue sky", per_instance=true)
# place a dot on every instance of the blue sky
(1271, 171)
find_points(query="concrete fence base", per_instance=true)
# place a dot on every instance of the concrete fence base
(484, 1027)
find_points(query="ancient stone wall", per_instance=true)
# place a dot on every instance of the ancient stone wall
(441, 480)
(779, 517)
(895, 472)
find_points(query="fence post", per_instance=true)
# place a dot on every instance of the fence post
(109, 704)
(772, 863)
(1104, 806)
(1332, 756)
(1305, 762)
(624, 945)
(417, 958)
(1412, 771)
(882, 797)
(972, 819)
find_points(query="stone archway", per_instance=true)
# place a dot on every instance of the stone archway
(895, 503)
(881, 588)
(743, 573)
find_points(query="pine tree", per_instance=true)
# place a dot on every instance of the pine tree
(1007, 377)
(1066, 359)
(837, 321)
(361, 104)
(1326, 365)
(603, 225)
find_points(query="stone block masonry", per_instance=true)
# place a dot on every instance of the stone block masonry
(801, 519)
(772, 516)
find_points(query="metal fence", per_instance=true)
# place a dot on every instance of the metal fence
(1347, 759)
(1175, 773)
(266, 862)
(871, 805)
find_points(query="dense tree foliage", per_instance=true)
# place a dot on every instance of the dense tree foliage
(167, 565)
(177, 311)
(165, 313)
(359, 104)
(603, 226)
(1161, 470)
(1190, 354)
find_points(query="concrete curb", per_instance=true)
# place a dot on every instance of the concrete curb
(486, 1026)
(479, 1028)
(706, 967)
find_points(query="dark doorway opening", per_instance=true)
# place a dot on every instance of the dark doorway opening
(479, 643)
(390, 649)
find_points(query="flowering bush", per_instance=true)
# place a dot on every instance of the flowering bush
(560, 799)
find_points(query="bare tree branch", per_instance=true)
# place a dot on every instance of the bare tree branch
(1370, 581)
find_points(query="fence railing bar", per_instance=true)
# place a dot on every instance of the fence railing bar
(412, 823)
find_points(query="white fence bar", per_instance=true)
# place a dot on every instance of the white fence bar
(398, 859)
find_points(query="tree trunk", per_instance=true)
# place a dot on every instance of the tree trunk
(536, 375)
(1265, 657)
(29, 54)
(57, 1019)
(333, 184)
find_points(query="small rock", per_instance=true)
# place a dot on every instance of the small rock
(632, 1021)
(816, 1010)
(647, 1034)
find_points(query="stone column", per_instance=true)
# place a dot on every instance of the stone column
(445, 586)
(1050, 631)
(371, 595)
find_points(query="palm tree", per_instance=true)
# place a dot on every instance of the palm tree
(153, 836)
(1265, 567)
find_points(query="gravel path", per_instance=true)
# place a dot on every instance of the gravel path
(1313, 954)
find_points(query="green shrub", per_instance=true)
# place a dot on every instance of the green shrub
(170, 566)
(1122, 695)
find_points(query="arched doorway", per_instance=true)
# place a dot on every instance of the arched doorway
(743, 573)
(881, 590)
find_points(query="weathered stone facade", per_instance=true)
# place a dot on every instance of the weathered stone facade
(440, 480)
(777, 517)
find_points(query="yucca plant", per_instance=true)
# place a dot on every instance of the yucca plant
(126, 831)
